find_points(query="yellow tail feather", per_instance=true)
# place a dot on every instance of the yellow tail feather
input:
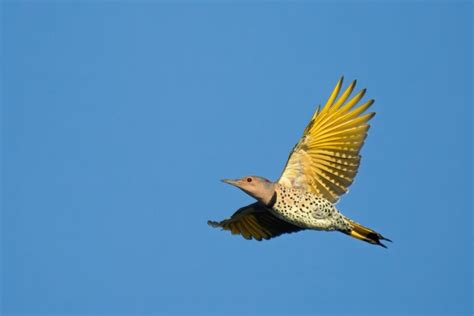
(366, 234)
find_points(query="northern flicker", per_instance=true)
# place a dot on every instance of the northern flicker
(319, 170)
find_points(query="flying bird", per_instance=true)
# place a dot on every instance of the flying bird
(320, 169)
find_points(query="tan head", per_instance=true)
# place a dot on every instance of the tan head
(257, 187)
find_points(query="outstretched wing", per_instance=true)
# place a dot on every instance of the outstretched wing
(326, 159)
(255, 221)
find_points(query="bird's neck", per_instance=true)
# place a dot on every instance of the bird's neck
(272, 200)
(268, 196)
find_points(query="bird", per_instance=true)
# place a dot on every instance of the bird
(319, 169)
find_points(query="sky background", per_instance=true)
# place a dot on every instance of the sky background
(119, 119)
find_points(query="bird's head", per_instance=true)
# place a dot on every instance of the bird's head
(257, 187)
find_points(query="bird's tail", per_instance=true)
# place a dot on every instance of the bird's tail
(366, 234)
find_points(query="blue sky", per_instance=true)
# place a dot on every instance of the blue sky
(119, 119)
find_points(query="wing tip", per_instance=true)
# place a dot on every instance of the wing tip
(213, 224)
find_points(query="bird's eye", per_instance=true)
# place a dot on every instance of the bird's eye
(249, 179)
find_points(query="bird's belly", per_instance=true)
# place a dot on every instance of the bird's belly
(306, 210)
(305, 218)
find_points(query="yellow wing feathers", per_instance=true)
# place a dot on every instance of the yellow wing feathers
(326, 159)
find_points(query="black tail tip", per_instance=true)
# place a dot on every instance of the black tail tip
(376, 238)
(380, 237)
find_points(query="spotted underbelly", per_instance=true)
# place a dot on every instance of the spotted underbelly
(306, 210)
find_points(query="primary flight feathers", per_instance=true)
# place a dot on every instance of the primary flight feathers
(326, 159)
(255, 221)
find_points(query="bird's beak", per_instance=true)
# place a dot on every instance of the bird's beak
(231, 182)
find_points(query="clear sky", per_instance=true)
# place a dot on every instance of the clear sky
(119, 119)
